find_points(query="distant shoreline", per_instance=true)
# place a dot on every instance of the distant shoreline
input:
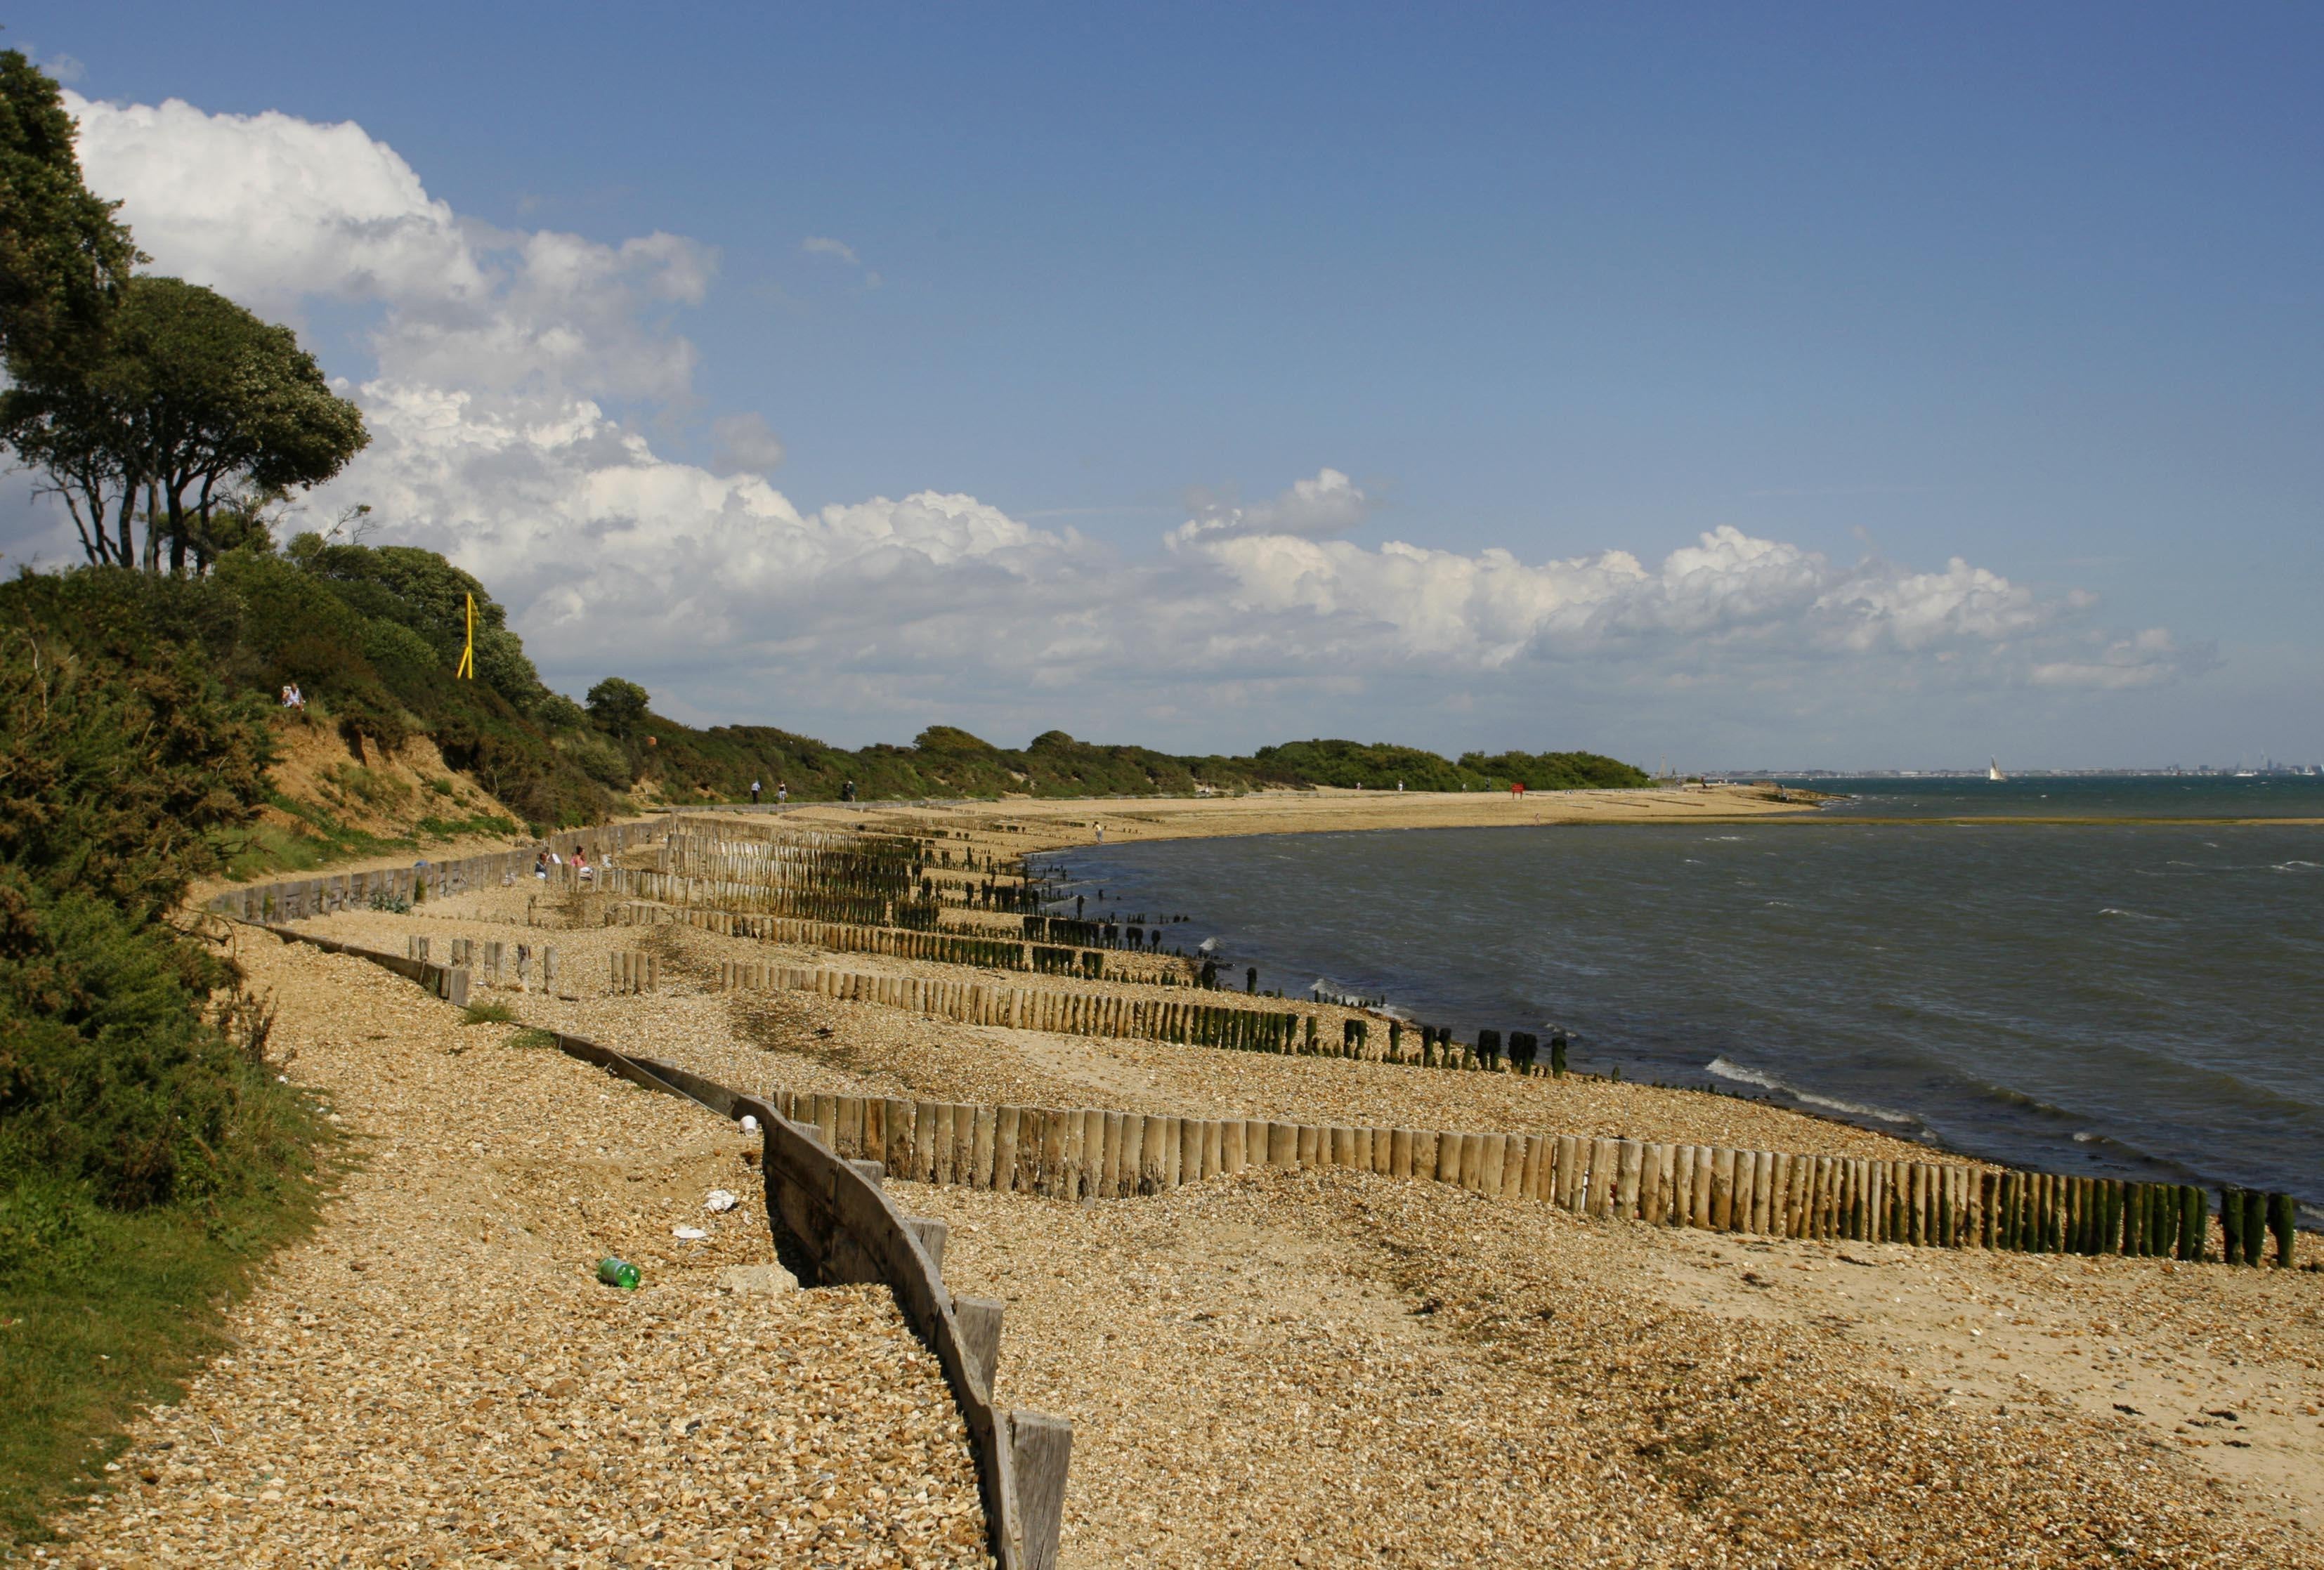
(1054, 823)
(1046, 824)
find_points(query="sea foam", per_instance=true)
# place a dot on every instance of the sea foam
(1728, 1069)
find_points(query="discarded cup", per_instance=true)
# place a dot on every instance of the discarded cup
(690, 1233)
(718, 1202)
(750, 1124)
(619, 1273)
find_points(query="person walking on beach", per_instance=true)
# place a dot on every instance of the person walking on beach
(754, 792)
(847, 790)
(1101, 834)
(782, 792)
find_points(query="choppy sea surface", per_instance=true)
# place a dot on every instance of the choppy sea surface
(2120, 995)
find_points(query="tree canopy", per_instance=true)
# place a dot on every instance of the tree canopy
(190, 403)
(618, 706)
(63, 257)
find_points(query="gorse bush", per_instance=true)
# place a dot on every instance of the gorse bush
(130, 765)
(111, 1073)
(124, 758)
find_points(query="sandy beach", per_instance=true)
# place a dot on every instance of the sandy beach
(1036, 823)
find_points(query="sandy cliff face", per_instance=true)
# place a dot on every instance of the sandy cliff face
(334, 804)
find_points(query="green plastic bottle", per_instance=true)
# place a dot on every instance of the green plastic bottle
(619, 1273)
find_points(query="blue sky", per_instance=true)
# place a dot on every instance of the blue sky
(2032, 288)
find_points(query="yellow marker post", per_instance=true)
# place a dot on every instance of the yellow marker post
(468, 655)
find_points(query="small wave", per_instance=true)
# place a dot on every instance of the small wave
(1726, 1069)
(2133, 915)
(1786, 904)
(1722, 839)
(2295, 867)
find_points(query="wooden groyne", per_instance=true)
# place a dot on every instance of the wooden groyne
(1091, 1153)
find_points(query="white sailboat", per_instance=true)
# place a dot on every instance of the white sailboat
(1993, 769)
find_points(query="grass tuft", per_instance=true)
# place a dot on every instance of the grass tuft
(489, 1014)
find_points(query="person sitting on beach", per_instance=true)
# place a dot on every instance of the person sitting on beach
(541, 866)
(582, 869)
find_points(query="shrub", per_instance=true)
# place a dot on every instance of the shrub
(618, 706)
(489, 1014)
(109, 1073)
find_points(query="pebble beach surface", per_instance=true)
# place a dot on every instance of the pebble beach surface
(436, 1376)
(1328, 1368)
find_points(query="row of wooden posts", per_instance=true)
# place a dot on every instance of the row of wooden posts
(1041, 1008)
(1086, 1152)
(729, 895)
(635, 971)
(846, 938)
(1090, 1153)
(296, 898)
(496, 964)
(1075, 1013)
(870, 869)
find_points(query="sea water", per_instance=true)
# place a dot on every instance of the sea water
(2116, 995)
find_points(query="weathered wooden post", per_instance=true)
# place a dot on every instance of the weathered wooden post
(1525, 1048)
(2194, 1223)
(2283, 1220)
(1489, 1050)
(1557, 1054)
(2254, 1226)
